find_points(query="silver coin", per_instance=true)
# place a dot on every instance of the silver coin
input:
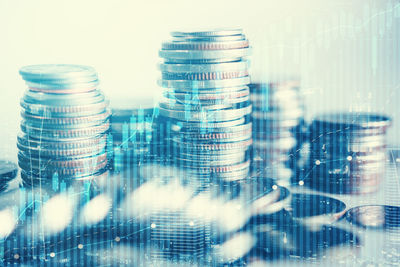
(375, 216)
(63, 173)
(44, 163)
(208, 126)
(75, 174)
(51, 127)
(56, 72)
(217, 137)
(59, 87)
(204, 76)
(30, 179)
(182, 84)
(228, 101)
(65, 153)
(218, 128)
(212, 116)
(35, 119)
(63, 100)
(207, 96)
(203, 68)
(204, 61)
(213, 147)
(59, 145)
(195, 39)
(197, 107)
(64, 111)
(205, 54)
(205, 45)
(62, 151)
(57, 134)
(316, 210)
(207, 33)
(211, 157)
(199, 91)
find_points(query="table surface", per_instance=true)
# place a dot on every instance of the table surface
(377, 248)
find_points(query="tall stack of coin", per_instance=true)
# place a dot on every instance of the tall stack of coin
(64, 125)
(136, 134)
(205, 75)
(348, 152)
(277, 116)
(206, 99)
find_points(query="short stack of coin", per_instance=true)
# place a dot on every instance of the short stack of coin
(64, 125)
(136, 135)
(206, 100)
(348, 152)
(277, 115)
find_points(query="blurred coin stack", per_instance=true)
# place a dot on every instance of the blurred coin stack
(64, 125)
(348, 152)
(277, 117)
(137, 135)
(8, 171)
(206, 99)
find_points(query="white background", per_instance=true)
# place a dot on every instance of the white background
(346, 52)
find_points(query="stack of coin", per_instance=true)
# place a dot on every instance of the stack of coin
(205, 77)
(206, 100)
(136, 134)
(64, 126)
(277, 116)
(348, 152)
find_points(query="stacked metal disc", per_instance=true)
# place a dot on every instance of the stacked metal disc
(136, 134)
(277, 117)
(64, 125)
(348, 152)
(206, 100)
(205, 77)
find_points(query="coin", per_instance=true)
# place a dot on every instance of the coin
(316, 210)
(375, 216)
(206, 33)
(201, 68)
(227, 38)
(205, 45)
(56, 72)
